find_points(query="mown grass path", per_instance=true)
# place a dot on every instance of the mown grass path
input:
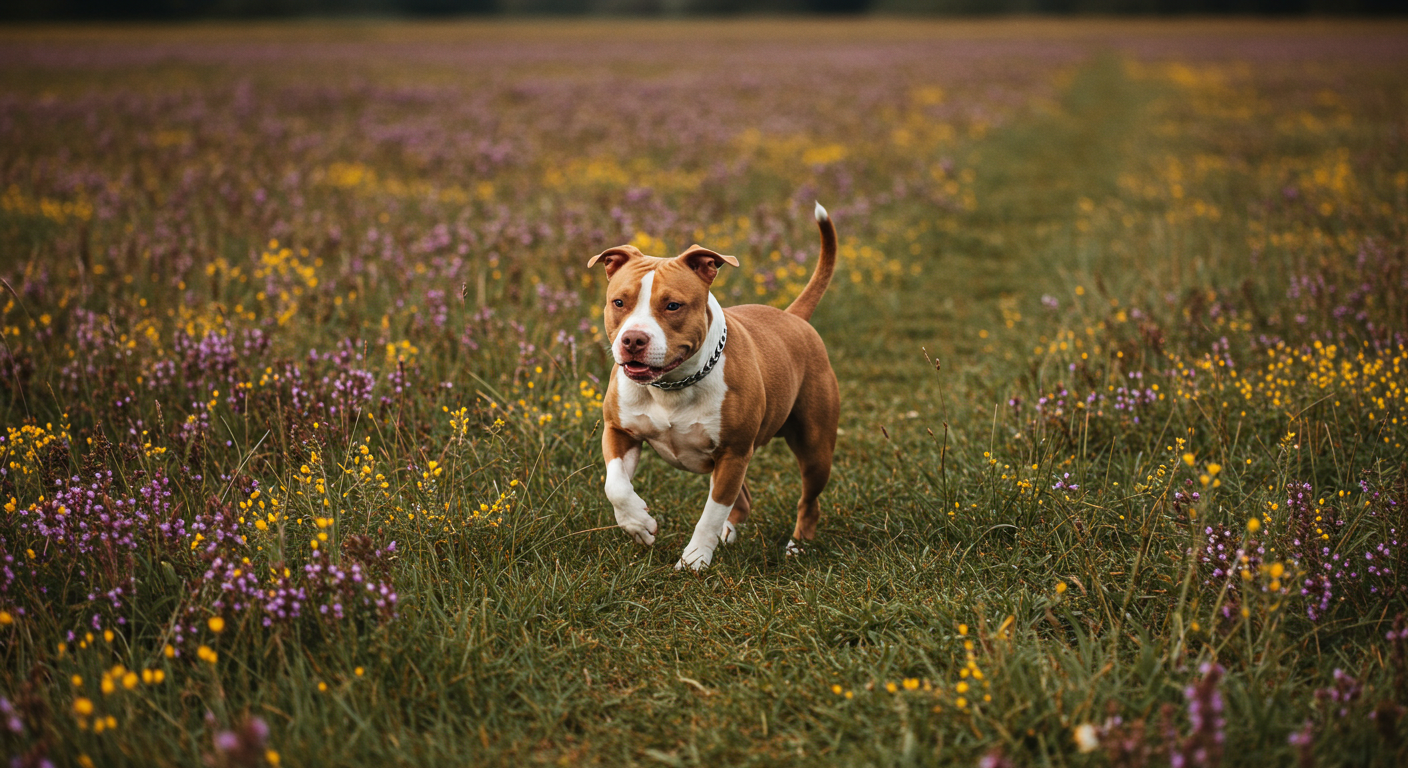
(733, 656)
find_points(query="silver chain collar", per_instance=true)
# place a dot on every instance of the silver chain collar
(701, 373)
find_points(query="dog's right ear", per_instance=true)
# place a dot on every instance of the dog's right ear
(615, 258)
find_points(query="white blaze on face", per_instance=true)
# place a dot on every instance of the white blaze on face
(642, 318)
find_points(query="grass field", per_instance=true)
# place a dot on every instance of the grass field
(302, 375)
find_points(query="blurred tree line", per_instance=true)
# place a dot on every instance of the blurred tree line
(186, 9)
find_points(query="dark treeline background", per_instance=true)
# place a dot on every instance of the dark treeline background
(197, 9)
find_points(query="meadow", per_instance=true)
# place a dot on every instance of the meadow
(303, 367)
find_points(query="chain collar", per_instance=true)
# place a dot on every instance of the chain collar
(701, 373)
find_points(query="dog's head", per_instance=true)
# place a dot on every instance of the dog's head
(657, 310)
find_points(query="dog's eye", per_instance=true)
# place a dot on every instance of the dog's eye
(619, 303)
(672, 306)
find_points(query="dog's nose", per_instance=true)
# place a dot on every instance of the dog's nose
(634, 342)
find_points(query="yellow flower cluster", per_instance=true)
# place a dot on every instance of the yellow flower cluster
(24, 446)
(543, 409)
(16, 202)
(360, 178)
(972, 682)
(501, 506)
(115, 679)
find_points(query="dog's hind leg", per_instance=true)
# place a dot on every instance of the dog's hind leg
(738, 516)
(815, 461)
(813, 443)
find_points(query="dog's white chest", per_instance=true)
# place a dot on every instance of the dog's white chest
(681, 426)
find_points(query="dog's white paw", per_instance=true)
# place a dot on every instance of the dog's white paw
(696, 558)
(794, 549)
(729, 534)
(642, 532)
(633, 519)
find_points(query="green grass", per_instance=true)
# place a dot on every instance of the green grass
(545, 636)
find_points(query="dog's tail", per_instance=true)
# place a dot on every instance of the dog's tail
(806, 302)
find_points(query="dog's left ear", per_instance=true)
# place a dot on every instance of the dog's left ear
(705, 262)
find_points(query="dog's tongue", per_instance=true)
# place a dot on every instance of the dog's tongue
(637, 368)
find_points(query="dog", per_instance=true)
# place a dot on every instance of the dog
(706, 386)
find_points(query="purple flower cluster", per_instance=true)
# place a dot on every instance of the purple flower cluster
(1182, 500)
(1131, 398)
(339, 587)
(1124, 742)
(1354, 300)
(347, 387)
(1312, 525)
(91, 532)
(1341, 696)
(231, 586)
(241, 747)
(1053, 403)
(1207, 732)
(7, 578)
(1226, 557)
(11, 717)
(90, 540)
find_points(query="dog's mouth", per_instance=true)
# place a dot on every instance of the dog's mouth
(640, 372)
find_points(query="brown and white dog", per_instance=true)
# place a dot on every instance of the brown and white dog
(706, 386)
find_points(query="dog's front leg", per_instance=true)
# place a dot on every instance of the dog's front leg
(622, 453)
(724, 486)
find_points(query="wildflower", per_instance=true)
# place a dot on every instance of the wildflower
(244, 745)
(911, 683)
(1060, 587)
(1087, 740)
(1253, 525)
(1304, 742)
(205, 653)
(216, 624)
(6, 619)
(1203, 746)
(82, 706)
(1345, 691)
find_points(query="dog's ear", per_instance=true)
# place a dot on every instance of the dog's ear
(705, 262)
(615, 258)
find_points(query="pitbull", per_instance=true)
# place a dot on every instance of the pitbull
(706, 386)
